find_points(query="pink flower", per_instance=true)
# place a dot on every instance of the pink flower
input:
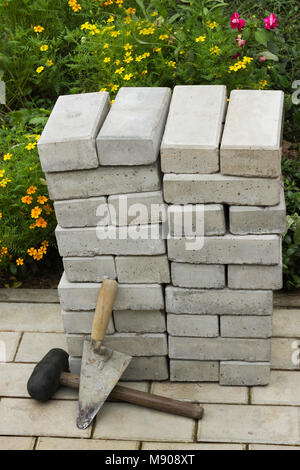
(262, 58)
(236, 21)
(270, 21)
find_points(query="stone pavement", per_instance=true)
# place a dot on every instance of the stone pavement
(237, 418)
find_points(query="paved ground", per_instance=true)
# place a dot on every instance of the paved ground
(238, 418)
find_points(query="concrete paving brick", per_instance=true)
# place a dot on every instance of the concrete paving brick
(255, 277)
(251, 141)
(34, 346)
(201, 392)
(103, 181)
(16, 443)
(283, 389)
(91, 241)
(252, 424)
(230, 249)
(245, 220)
(244, 373)
(81, 322)
(206, 326)
(214, 349)
(193, 446)
(50, 443)
(143, 269)
(286, 323)
(137, 208)
(83, 296)
(132, 132)
(30, 317)
(220, 189)
(285, 353)
(89, 212)
(89, 269)
(9, 342)
(147, 344)
(271, 447)
(147, 321)
(194, 371)
(218, 301)
(247, 326)
(196, 219)
(128, 422)
(25, 417)
(200, 276)
(193, 130)
(68, 139)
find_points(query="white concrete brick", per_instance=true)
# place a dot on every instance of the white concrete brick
(91, 241)
(251, 142)
(81, 322)
(68, 139)
(44, 317)
(82, 212)
(230, 249)
(89, 269)
(83, 296)
(218, 301)
(286, 323)
(56, 444)
(205, 326)
(201, 276)
(214, 349)
(193, 130)
(246, 326)
(137, 208)
(129, 321)
(283, 389)
(255, 277)
(103, 181)
(285, 353)
(194, 371)
(196, 219)
(132, 132)
(258, 220)
(143, 269)
(194, 189)
(244, 373)
(34, 346)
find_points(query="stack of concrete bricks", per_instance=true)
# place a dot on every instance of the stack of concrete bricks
(226, 164)
(97, 158)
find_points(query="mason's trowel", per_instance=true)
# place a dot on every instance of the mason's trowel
(101, 367)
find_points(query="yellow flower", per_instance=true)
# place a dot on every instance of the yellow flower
(262, 84)
(130, 11)
(45, 243)
(200, 39)
(112, 102)
(114, 87)
(40, 69)
(215, 50)
(0, 215)
(38, 29)
(212, 25)
(31, 190)
(128, 76)
(247, 60)
(115, 34)
(156, 49)
(128, 47)
(102, 89)
(26, 199)
(7, 156)
(31, 251)
(4, 251)
(171, 63)
(2, 173)
(36, 212)
(111, 19)
(147, 31)
(37, 137)
(117, 62)
(128, 59)
(144, 72)
(76, 7)
(3, 183)
(42, 199)
(106, 45)
(120, 70)
(155, 13)
(44, 47)
(139, 58)
(20, 262)
(30, 146)
(49, 63)
(162, 37)
(106, 60)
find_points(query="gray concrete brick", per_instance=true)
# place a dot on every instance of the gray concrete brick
(194, 371)
(81, 322)
(91, 241)
(137, 208)
(132, 132)
(201, 276)
(83, 296)
(205, 189)
(140, 368)
(82, 212)
(103, 181)
(244, 373)
(205, 326)
(196, 219)
(219, 301)
(258, 220)
(89, 269)
(246, 326)
(134, 344)
(230, 249)
(255, 277)
(68, 139)
(129, 321)
(143, 269)
(251, 142)
(193, 130)
(215, 349)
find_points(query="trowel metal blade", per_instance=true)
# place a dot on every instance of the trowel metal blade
(100, 372)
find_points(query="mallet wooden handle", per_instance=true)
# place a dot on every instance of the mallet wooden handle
(148, 400)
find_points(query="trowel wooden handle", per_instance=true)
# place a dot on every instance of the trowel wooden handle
(104, 307)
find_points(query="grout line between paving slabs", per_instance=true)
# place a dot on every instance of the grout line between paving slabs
(18, 346)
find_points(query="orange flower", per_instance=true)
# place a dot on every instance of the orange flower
(4, 251)
(36, 212)
(42, 199)
(26, 199)
(31, 251)
(20, 262)
(45, 243)
(31, 190)
(41, 222)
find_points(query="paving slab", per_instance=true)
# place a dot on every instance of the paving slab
(283, 352)
(16, 443)
(271, 447)
(82, 212)
(196, 219)
(193, 446)
(34, 346)
(127, 422)
(251, 424)
(9, 342)
(41, 317)
(286, 323)
(52, 443)
(283, 389)
(26, 417)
